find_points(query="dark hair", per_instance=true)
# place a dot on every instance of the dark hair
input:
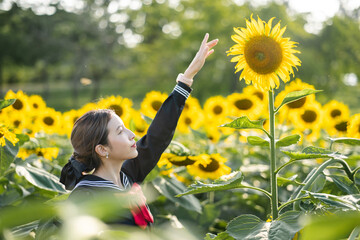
(89, 130)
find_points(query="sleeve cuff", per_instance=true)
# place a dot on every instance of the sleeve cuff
(183, 89)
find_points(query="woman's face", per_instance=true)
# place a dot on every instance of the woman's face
(122, 145)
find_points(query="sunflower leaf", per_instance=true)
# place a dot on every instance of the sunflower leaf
(313, 152)
(7, 155)
(147, 119)
(245, 123)
(296, 95)
(6, 103)
(226, 182)
(345, 140)
(257, 141)
(288, 140)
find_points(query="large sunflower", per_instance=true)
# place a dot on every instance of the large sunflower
(263, 54)
(190, 119)
(208, 166)
(36, 103)
(152, 103)
(353, 129)
(48, 121)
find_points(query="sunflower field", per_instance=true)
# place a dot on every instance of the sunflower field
(271, 161)
(203, 158)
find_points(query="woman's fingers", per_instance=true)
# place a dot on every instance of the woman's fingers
(204, 41)
(212, 43)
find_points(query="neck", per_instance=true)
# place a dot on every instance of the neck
(110, 171)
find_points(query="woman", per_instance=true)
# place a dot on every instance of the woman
(103, 145)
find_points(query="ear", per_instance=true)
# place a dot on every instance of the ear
(101, 150)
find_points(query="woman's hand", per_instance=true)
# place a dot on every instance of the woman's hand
(199, 59)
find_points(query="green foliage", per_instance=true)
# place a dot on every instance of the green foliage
(288, 140)
(245, 123)
(251, 227)
(348, 141)
(227, 182)
(313, 152)
(296, 95)
(257, 141)
(171, 187)
(7, 155)
(6, 103)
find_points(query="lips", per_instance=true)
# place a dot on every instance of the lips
(134, 145)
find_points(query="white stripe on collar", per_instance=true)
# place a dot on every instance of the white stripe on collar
(104, 184)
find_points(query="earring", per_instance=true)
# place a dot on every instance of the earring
(107, 155)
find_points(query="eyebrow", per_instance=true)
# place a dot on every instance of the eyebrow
(118, 127)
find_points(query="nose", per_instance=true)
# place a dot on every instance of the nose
(131, 135)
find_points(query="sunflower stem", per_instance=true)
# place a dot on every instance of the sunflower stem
(273, 180)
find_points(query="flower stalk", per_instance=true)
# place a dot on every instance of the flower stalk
(273, 180)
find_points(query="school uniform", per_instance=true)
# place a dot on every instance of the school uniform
(149, 147)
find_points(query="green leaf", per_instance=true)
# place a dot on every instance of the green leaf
(344, 184)
(220, 236)
(331, 226)
(23, 138)
(6, 103)
(318, 184)
(349, 141)
(226, 182)
(344, 202)
(251, 227)
(170, 187)
(40, 178)
(296, 95)
(245, 123)
(285, 181)
(288, 140)
(257, 141)
(147, 119)
(313, 152)
(7, 155)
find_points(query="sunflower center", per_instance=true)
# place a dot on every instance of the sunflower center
(186, 107)
(35, 105)
(185, 162)
(259, 95)
(359, 129)
(263, 54)
(243, 104)
(40, 154)
(1, 135)
(342, 127)
(188, 121)
(217, 110)
(16, 123)
(118, 109)
(211, 167)
(156, 105)
(309, 116)
(48, 121)
(75, 118)
(140, 129)
(335, 113)
(18, 105)
(297, 104)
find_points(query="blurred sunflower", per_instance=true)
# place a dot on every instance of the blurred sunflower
(310, 117)
(36, 103)
(212, 132)
(216, 109)
(5, 133)
(68, 120)
(48, 121)
(263, 54)
(47, 153)
(137, 123)
(192, 104)
(353, 129)
(288, 109)
(121, 106)
(21, 104)
(177, 160)
(190, 119)
(15, 120)
(208, 166)
(334, 110)
(244, 104)
(152, 103)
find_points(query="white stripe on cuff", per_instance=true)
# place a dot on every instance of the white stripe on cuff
(182, 91)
